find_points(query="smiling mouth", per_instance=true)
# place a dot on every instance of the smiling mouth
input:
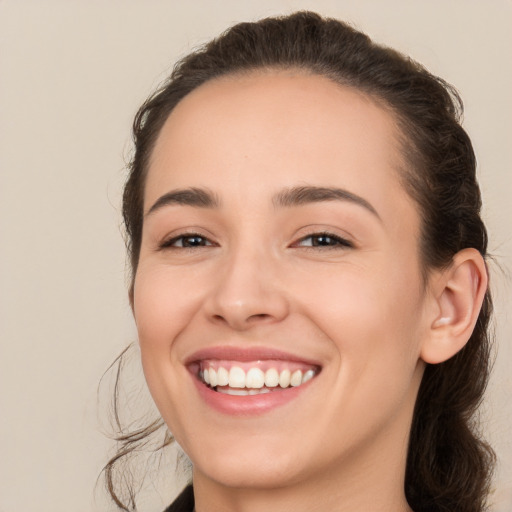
(254, 377)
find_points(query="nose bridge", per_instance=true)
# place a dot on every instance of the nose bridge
(247, 290)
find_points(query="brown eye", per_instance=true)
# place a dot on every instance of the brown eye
(193, 241)
(323, 240)
(188, 241)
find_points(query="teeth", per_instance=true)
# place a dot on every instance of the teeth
(232, 391)
(296, 378)
(255, 381)
(222, 377)
(255, 378)
(308, 376)
(261, 391)
(271, 378)
(236, 377)
(213, 377)
(284, 378)
(243, 392)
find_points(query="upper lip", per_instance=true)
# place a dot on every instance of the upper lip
(246, 354)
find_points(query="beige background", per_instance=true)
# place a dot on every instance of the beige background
(72, 74)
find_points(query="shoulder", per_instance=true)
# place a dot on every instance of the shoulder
(184, 502)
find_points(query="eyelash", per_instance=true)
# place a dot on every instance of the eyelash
(338, 242)
(169, 244)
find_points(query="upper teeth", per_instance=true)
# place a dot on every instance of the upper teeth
(255, 378)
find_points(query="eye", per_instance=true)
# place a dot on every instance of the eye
(186, 241)
(323, 240)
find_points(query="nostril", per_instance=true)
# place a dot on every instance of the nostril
(260, 316)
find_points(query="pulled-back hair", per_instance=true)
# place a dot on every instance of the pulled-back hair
(448, 465)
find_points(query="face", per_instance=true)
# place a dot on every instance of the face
(278, 298)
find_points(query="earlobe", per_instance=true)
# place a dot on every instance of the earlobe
(458, 296)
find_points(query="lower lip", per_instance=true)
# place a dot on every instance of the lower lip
(248, 405)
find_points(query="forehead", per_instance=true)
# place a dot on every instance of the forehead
(274, 129)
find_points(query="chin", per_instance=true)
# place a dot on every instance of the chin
(257, 461)
(244, 473)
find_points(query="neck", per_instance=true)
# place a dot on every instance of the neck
(361, 482)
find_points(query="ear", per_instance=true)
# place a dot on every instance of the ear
(458, 295)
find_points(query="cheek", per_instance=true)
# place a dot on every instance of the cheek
(163, 308)
(163, 305)
(373, 318)
(374, 325)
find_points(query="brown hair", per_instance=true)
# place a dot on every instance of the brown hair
(449, 466)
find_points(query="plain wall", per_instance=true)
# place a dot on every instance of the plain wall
(72, 74)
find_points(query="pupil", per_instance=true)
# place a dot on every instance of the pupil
(322, 240)
(193, 241)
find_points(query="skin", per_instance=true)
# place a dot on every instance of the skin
(361, 310)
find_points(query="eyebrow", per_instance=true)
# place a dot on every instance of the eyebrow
(294, 196)
(196, 197)
(297, 196)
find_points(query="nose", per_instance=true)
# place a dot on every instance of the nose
(247, 292)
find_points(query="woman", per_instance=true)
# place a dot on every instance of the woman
(308, 275)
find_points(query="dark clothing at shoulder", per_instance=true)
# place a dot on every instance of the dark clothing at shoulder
(184, 502)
